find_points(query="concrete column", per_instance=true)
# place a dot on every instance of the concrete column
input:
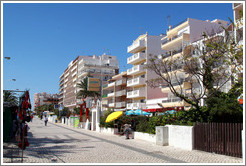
(161, 135)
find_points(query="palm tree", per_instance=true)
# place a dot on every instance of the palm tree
(10, 97)
(83, 93)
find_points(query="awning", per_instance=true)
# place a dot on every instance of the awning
(163, 109)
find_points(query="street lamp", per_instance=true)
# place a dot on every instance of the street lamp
(8, 58)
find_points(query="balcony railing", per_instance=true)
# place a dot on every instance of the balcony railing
(120, 93)
(170, 53)
(135, 70)
(177, 24)
(136, 81)
(171, 100)
(111, 94)
(136, 106)
(136, 93)
(120, 104)
(136, 58)
(136, 45)
(120, 82)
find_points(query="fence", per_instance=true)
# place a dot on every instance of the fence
(221, 138)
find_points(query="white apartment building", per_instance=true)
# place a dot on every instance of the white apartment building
(114, 93)
(189, 32)
(141, 95)
(44, 98)
(102, 67)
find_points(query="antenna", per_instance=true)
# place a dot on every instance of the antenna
(141, 30)
(168, 20)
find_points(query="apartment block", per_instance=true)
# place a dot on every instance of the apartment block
(102, 67)
(178, 38)
(142, 96)
(114, 93)
(45, 99)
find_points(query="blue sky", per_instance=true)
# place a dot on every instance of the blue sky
(42, 39)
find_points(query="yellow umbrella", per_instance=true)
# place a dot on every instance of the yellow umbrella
(114, 116)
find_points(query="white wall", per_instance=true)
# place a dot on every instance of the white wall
(180, 136)
(197, 27)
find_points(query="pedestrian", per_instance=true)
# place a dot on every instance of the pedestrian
(127, 130)
(45, 120)
(31, 117)
(133, 127)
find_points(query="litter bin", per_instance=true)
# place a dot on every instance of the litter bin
(56, 121)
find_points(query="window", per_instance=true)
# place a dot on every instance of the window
(142, 101)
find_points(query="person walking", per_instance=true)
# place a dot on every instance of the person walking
(45, 120)
(127, 130)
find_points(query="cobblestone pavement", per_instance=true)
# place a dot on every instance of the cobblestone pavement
(59, 143)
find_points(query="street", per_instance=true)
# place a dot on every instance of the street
(59, 143)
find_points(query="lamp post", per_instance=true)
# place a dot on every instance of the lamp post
(8, 58)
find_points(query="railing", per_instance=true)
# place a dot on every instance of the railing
(135, 81)
(120, 104)
(135, 44)
(170, 53)
(111, 84)
(111, 94)
(120, 93)
(120, 82)
(171, 100)
(135, 69)
(177, 24)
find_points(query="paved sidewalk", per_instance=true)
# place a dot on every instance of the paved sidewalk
(59, 143)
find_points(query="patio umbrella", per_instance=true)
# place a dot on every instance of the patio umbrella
(130, 112)
(114, 116)
(171, 112)
(141, 112)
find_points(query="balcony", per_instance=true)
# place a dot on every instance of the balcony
(120, 104)
(82, 74)
(110, 104)
(111, 94)
(172, 53)
(136, 82)
(105, 102)
(120, 93)
(136, 93)
(174, 102)
(136, 46)
(177, 86)
(136, 106)
(120, 82)
(138, 57)
(177, 40)
(137, 69)
(108, 86)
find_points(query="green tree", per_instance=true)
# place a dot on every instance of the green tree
(10, 97)
(207, 66)
(84, 92)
